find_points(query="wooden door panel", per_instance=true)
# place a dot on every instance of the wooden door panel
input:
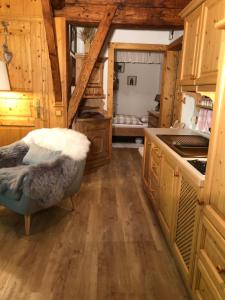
(214, 11)
(167, 193)
(191, 47)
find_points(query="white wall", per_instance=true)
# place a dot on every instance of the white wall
(138, 99)
(131, 36)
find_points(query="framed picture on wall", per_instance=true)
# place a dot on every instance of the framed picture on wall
(119, 67)
(131, 80)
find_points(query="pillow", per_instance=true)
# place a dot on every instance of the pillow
(144, 119)
(37, 155)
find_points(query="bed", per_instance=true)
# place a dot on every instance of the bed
(129, 125)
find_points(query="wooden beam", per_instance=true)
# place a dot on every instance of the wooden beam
(139, 47)
(52, 48)
(176, 45)
(90, 61)
(58, 4)
(126, 17)
(135, 3)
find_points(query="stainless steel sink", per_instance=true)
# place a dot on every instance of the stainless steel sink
(187, 145)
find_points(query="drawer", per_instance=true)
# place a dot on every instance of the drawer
(212, 254)
(205, 288)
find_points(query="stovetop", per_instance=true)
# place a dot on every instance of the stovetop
(200, 165)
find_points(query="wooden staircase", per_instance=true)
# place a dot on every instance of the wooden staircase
(90, 62)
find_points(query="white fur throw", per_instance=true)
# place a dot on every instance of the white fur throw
(72, 143)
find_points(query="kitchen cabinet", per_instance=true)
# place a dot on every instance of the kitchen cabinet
(186, 224)
(176, 193)
(191, 47)
(97, 131)
(208, 64)
(202, 43)
(151, 171)
(209, 278)
(167, 196)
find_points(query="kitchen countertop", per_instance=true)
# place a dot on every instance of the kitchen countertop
(193, 174)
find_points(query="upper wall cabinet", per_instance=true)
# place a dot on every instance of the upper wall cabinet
(191, 46)
(201, 42)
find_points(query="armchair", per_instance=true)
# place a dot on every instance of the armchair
(40, 170)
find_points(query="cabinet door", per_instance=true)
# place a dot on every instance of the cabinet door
(210, 266)
(190, 47)
(97, 131)
(167, 195)
(146, 162)
(213, 11)
(186, 222)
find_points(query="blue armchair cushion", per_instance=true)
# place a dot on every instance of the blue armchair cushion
(37, 155)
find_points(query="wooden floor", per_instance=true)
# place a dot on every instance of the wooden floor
(110, 247)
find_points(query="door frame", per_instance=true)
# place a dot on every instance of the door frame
(111, 59)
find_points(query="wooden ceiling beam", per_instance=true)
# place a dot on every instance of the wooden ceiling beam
(52, 48)
(58, 4)
(180, 4)
(126, 17)
(90, 61)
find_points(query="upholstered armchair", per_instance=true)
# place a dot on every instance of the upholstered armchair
(41, 169)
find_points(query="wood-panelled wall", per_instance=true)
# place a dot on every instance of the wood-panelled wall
(29, 70)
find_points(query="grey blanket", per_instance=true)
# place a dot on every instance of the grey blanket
(45, 183)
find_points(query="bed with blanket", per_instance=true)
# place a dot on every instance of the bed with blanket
(129, 125)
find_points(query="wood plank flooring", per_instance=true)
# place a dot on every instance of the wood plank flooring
(110, 247)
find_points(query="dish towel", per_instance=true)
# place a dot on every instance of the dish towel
(204, 120)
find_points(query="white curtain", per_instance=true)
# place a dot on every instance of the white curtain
(139, 57)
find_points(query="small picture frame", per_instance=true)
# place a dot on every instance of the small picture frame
(120, 67)
(131, 80)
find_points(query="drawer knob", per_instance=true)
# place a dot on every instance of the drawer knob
(220, 269)
(200, 202)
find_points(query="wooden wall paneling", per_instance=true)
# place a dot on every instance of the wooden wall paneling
(90, 61)
(52, 48)
(20, 71)
(20, 8)
(168, 88)
(62, 44)
(177, 108)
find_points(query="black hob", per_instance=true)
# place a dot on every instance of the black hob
(200, 165)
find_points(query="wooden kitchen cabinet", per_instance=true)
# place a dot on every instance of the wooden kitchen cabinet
(97, 131)
(202, 41)
(151, 171)
(167, 195)
(208, 64)
(191, 47)
(186, 225)
(209, 277)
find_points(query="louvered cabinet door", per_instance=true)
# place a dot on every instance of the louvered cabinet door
(187, 219)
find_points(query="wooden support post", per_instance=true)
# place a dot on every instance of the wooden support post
(52, 47)
(90, 61)
(27, 221)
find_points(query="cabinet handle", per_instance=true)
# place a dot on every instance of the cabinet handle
(200, 202)
(220, 269)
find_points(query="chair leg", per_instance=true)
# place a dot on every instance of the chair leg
(73, 206)
(27, 221)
